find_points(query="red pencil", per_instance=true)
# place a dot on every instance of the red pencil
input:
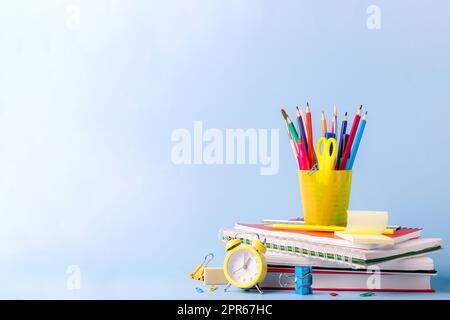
(310, 135)
(351, 137)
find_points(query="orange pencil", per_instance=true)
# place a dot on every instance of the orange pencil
(324, 124)
(310, 135)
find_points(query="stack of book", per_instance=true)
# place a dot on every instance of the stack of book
(339, 264)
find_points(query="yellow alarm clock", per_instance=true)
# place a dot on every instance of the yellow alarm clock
(245, 266)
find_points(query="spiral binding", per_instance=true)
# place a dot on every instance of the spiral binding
(303, 248)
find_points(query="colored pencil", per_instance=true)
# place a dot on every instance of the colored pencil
(335, 129)
(310, 135)
(348, 147)
(292, 143)
(324, 124)
(301, 126)
(341, 140)
(304, 227)
(291, 125)
(302, 156)
(362, 125)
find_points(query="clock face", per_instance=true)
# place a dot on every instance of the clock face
(243, 266)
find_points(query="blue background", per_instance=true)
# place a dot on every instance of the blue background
(87, 113)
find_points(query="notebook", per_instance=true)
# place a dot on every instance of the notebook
(282, 278)
(323, 237)
(283, 242)
(418, 264)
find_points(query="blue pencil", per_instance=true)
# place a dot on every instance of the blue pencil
(355, 146)
(341, 141)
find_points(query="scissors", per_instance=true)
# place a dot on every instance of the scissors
(326, 156)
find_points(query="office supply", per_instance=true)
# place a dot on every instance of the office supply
(324, 124)
(301, 126)
(199, 270)
(284, 221)
(326, 153)
(245, 265)
(293, 145)
(360, 131)
(366, 227)
(335, 129)
(302, 156)
(212, 288)
(367, 294)
(303, 280)
(361, 254)
(330, 135)
(199, 290)
(341, 141)
(417, 264)
(290, 125)
(214, 276)
(281, 278)
(309, 131)
(349, 143)
(292, 226)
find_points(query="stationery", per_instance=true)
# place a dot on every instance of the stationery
(348, 146)
(366, 227)
(362, 125)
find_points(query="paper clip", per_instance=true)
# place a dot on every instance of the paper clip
(313, 169)
(198, 273)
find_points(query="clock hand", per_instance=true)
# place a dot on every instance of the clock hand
(234, 271)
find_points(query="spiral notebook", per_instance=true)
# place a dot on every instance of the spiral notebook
(325, 247)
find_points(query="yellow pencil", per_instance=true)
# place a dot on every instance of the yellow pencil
(317, 228)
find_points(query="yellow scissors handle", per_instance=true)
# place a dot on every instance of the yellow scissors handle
(325, 159)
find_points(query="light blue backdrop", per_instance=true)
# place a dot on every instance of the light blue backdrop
(91, 91)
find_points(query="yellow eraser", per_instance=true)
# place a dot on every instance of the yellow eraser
(214, 276)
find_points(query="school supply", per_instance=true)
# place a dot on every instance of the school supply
(212, 288)
(245, 265)
(309, 131)
(416, 264)
(214, 276)
(341, 141)
(326, 153)
(322, 237)
(349, 143)
(199, 270)
(325, 196)
(323, 279)
(295, 226)
(290, 125)
(301, 127)
(292, 143)
(303, 280)
(366, 227)
(325, 247)
(354, 151)
(324, 124)
(335, 128)
(302, 156)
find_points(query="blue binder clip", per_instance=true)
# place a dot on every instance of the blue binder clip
(303, 280)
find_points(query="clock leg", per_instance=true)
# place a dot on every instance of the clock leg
(226, 288)
(258, 288)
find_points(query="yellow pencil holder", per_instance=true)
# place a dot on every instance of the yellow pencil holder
(325, 196)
